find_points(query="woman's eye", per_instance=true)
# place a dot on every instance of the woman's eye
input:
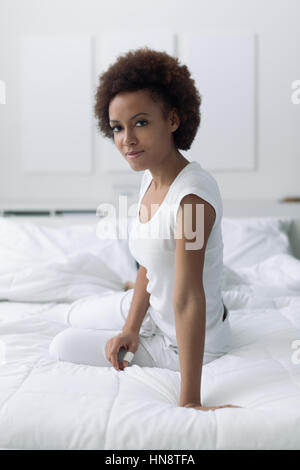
(142, 121)
(113, 128)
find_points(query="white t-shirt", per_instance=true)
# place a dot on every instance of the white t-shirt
(153, 245)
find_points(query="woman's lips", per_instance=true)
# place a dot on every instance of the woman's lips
(134, 155)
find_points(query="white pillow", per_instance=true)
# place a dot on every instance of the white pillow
(248, 241)
(24, 244)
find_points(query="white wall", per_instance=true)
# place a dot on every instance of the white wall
(276, 24)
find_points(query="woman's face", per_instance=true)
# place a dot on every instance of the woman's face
(148, 132)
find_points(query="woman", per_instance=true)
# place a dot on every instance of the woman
(173, 316)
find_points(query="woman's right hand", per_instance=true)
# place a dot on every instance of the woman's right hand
(128, 340)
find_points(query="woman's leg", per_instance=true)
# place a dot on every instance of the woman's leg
(108, 312)
(93, 320)
(84, 346)
(100, 312)
(219, 341)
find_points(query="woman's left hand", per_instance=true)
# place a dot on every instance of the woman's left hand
(198, 406)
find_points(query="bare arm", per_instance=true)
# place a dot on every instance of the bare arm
(189, 302)
(190, 334)
(139, 304)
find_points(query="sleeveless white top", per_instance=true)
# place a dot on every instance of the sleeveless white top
(153, 245)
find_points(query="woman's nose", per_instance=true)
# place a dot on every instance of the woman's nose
(129, 137)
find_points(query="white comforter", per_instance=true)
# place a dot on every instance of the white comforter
(43, 264)
(48, 404)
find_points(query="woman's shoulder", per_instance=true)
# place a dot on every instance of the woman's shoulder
(200, 182)
(196, 176)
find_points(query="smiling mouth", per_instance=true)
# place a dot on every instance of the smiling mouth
(134, 155)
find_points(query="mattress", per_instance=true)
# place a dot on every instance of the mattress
(49, 404)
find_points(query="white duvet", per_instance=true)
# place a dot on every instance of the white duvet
(48, 404)
(43, 264)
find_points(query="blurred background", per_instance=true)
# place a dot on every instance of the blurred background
(245, 59)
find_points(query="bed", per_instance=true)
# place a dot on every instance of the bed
(49, 404)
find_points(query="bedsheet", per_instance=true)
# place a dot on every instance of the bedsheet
(48, 404)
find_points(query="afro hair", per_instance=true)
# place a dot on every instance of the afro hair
(168, 82)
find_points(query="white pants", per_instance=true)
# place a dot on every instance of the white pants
(93, 320)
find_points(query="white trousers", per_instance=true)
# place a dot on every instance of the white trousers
(93, 320)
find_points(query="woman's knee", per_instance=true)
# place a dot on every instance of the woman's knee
(99, 312)
(82, 346)
(58, 344)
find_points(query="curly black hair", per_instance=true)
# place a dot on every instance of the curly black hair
(168, 83)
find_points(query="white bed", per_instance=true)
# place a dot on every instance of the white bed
(48, 404)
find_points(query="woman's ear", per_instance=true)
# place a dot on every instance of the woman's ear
(174, 120)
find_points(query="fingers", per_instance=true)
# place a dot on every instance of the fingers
(232, 406)
(117, 354)
(115, 361)
(210, 408)
(226, 406)
(123, 363)
(116, 349)
(112, 354)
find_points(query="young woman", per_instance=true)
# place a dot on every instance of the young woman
(173, 316)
